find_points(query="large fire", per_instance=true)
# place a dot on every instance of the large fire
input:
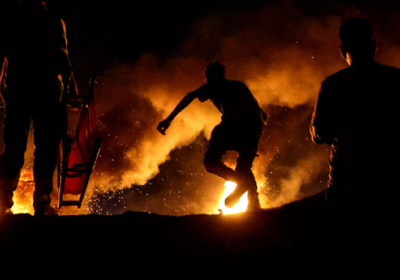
(23, 195)
(283, 67)
(241, 206)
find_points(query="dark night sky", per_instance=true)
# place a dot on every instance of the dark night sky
(105, 31)
(110, 30)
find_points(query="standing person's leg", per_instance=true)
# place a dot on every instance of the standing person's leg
(48, 126)
(16, 130)
(342, 231)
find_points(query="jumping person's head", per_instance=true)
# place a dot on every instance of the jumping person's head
(215, 71)
(358, 43)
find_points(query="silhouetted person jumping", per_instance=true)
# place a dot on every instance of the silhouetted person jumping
(34, 55)
(349, 116)
(240, 130)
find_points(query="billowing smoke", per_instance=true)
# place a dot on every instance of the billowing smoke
(278, 52)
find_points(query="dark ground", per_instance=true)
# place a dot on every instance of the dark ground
(284, 243)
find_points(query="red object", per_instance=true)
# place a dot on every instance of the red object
(80, 153)
(82, 148)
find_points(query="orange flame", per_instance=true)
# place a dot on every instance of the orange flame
(241, 206)
(23, 195)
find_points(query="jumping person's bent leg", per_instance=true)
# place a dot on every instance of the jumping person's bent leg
(216, 149)
(214, 165)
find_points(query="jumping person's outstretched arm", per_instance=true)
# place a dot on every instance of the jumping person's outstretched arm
(163, 125)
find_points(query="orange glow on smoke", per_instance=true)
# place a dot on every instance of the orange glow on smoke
(23, 195)
(241, 206)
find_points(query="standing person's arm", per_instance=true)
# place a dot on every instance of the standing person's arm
(68, 80)
(2, 66)
(321, 127)
(3, 62)
(2, 55)
(64, 61)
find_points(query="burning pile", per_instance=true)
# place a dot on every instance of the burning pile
(23, 195)
(241, 206)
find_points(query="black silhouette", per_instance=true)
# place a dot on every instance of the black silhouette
(239, 130)
(38, 73)
(347, 117)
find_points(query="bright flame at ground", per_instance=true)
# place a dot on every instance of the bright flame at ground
(23, 195)
(241, 206)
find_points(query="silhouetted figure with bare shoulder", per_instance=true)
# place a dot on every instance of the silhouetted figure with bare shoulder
(239, 130)
(34, 59)
(353, 110)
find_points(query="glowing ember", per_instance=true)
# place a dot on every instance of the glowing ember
(23, 195)
(241, 206)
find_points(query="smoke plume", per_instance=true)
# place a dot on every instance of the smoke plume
(278, 52)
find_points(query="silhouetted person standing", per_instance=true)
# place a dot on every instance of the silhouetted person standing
(240, 130)
(348, 116)
(37, 68)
